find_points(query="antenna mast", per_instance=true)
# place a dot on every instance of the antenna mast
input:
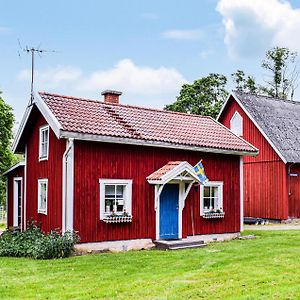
(32, 51)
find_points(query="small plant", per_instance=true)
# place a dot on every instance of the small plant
(36, 244)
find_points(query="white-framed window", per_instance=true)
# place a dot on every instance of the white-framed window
(42, 196)
(115, 197)
(236, 124)
(44, 143)
(211, 196)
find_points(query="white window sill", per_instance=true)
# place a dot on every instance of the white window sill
(42, 212)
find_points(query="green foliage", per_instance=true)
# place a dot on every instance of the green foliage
(283, 66)
(7, 159)
(243, 83)
(35, 244)
(203, 97)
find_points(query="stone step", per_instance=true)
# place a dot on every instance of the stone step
(176, 245)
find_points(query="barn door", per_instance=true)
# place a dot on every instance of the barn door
(168, 217)
(17, 215)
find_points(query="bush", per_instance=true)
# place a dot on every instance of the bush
(36, 244)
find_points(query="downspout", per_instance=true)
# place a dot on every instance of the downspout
(70, 144)
(241, 194)
(289, 178)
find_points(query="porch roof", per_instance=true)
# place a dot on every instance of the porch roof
(171, 171)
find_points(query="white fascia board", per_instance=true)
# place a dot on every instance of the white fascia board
(128, 141)
(48, 115)
(19, 164)
(259, 128)
(21, 127)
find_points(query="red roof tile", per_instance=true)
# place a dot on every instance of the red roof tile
(157, 175)
(124, 121)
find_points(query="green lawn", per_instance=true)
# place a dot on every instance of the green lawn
(267, 267)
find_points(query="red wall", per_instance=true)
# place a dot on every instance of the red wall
(294, 190)
(51, 169)
(18, 172)
(265, 180)
(101, 160)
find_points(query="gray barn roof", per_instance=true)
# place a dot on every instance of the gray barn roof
(279, 120)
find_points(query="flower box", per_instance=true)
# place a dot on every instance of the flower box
(118, 219)
(213, 215)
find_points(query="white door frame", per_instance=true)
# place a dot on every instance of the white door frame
(15, 201)
(182, 194)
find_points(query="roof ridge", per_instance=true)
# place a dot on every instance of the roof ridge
(267, 96)
(125, 105)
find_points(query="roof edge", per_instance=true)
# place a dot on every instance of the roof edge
(235, 97)
(141, 142)
(19, 164)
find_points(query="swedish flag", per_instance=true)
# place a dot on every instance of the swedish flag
(199, 169)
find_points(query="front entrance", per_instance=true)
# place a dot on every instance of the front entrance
(17, 220)
(168, 216)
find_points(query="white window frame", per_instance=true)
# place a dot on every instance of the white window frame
(236, 124)
(40, 182)
(219, 185)
(41, 156)
(128, 195)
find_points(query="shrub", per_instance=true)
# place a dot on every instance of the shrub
(36, 244)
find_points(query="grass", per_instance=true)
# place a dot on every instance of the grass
(267, 267)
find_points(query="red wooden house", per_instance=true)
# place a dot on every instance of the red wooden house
(117, 172)
(271, 179)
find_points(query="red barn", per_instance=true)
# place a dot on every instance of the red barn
(271, 179)
(117, 172)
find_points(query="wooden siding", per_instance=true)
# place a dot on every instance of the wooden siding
(294, 190)
(51, 169)
(18, 172)
(101, 160)
(265, 181)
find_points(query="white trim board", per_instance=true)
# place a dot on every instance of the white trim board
(15, 202)
(19, 164)
(254, 122)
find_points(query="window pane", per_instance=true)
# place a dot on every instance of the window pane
(206, 203)
(214, 191)
(109, 205)
(110, 191)
(120, 191)
(206, 191)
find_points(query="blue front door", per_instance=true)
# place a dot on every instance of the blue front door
(168, 213)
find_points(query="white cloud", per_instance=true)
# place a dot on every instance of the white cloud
(178, 34)
(251, 27)
(140, 85)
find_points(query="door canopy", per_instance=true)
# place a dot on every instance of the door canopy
(174, 171)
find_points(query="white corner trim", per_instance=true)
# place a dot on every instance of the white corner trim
(25, 190)
(255, 123)
(68, 187)
(241, 194)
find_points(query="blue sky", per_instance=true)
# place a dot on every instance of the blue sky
(147, 49)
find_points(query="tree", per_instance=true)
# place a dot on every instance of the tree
(284, 68)
(243, 83)
(6, 156)
(203, 97)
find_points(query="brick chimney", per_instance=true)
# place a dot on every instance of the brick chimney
(111, 96)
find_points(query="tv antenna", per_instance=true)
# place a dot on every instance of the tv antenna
(32, 51)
